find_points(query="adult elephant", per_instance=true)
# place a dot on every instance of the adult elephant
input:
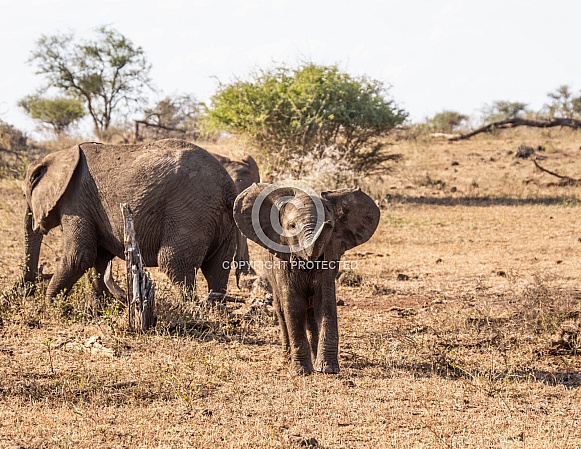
(306, 235)
(244, 173)
(180, 195)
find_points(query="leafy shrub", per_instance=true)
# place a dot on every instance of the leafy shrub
(291, 113)
(446, 122)
(502, 110)
(57, 113)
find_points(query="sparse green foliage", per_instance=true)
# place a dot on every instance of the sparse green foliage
(446, 121)
(502, 110)
(58, 113)
(108, 73)
(305, 110)
(564, 103)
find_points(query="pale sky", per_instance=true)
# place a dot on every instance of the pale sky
(437, 55)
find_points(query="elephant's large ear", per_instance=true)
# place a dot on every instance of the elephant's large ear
(47, 181)
(252, 165)
(256, 212)
(356, 219)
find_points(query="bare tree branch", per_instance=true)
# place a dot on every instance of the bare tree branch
(568, 180)
(18, 154)
(516, 121)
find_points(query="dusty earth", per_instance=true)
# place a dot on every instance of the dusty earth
(460, 328)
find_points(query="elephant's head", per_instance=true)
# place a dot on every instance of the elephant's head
(45, 183)
(243, 172)
(293, 220)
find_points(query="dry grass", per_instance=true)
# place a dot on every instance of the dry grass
(463, 332)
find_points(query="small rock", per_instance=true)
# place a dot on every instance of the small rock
(340, 302)
(439, 261)
(403, 277)
(524, 151)
(350, 279)
(501, 273)
(95, 339)
(303, 441)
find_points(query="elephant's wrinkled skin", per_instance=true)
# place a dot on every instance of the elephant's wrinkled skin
(180, 195)
(244, 173)
(303, 293)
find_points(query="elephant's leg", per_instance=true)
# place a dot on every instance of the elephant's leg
(295, 313)
(313, 331)
(282, 323)
(242, 258)
(325, 311)
(216, 268)
(80, 253)
(100, 289)
(179, 269)
(98, 280)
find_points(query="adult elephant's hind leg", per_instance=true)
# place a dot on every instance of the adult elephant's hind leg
(180, 268)
(216, 268)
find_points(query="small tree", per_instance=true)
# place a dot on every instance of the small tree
(305, 110)
(107, 73)
(446, 121)
(502, 110)
(564, 103)
(173, 116)
(57, 113)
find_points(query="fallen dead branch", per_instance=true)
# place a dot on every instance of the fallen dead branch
(515, 122)
(567, 180)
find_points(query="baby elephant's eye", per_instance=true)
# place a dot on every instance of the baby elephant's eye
(292, 225)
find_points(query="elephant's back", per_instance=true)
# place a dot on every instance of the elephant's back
(128, 170)
(174, 188)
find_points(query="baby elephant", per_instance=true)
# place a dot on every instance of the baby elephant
(305, 235)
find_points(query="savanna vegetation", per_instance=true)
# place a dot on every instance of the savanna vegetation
(459, 320)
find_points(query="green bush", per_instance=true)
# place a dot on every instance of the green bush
(295, 112)
(446, 122)
(502, 110)
(57, 113)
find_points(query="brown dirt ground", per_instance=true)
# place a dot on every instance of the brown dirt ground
(476, 346)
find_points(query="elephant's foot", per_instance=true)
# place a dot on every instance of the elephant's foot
(216, 298)
(302, 369)
(327, 367)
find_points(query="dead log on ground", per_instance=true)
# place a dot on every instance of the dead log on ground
(515, 122)
(566, 180)
(140, 291)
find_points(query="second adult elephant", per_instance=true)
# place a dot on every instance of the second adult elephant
(244, 173)
(181, 198)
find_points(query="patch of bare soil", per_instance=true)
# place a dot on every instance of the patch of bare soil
(459, 328)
